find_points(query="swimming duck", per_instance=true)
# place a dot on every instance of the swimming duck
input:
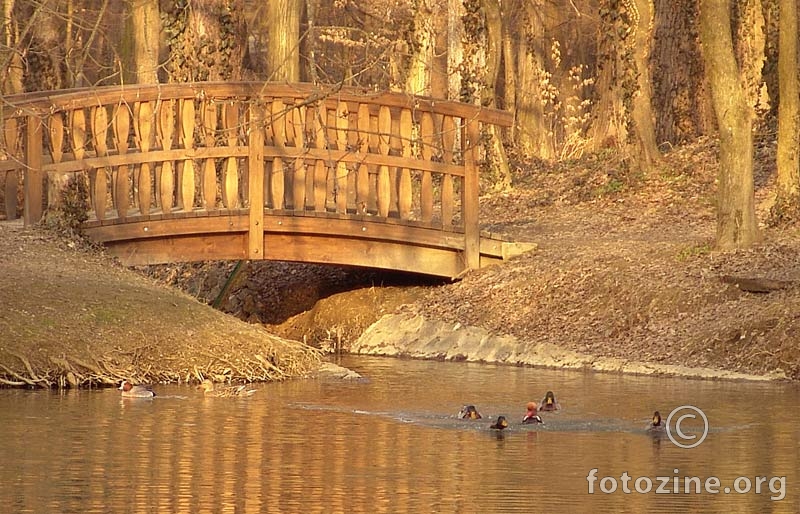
(549, 402)
(209, 389)
(469, 412)
(532, 416)
(656, 425)
(135, 391)
(500, 424)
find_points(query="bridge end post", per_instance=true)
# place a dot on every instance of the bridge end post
(472, 233)
(255, 181)
(33, 178)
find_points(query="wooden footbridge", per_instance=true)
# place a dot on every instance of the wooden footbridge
(217, 171)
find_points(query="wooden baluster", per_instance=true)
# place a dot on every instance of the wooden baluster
(320, 170)
(384, 184)
(166, 179)
(98, 180)
(145, 130)
(230, 183)
(374, 147)
(278, 122)
(426, 192)
(209, 166)
(56, 181)
(186, 170)
(122, 126)
(448, 140)
(470, 141)
(299, 177)
(362, 179)
(352, 147)
(341, 166)
(77, 138)
(11, 137)
(404, 186)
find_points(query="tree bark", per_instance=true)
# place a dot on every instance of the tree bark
(146, 25)
(736, 220)
(283, 40)
(788, 180)
(646, 149)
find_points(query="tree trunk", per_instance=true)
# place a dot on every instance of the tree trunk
(207, 40)
(788, 194)
(532, 130)
(736, 220)
(418, 80)
(146, 25)
(455, 48)
(10, 53)
(283, 40)
(646, 149)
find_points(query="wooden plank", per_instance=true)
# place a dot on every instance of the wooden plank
(376, 254)
(255, 180)
(121, 125)
(186, 185)
(145, 130)
(34, 176)
(404, 186)
(209, 176)
(98, 178)
(384, 186)
(298, 122)
(166, 177)
(136, 228)
(278, 123)
(449, 128)
(341, 166)
(320, 170)
(11, 140)
(43, 102)
(426, 187)
(230, 180)
(180, 249)
(362, 178)
(470, 193)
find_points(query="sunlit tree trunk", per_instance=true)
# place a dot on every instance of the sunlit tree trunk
(418, 80)
(11, 54)
(146, 30)
(455, 48)
(531, 126)
(283, 41)
(788, 113)
(646, 149)
(736, 220)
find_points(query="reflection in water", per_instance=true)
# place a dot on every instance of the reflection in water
(393, 444)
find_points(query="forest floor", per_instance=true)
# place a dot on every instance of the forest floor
(625, 267)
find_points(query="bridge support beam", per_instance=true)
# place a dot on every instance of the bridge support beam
(472, 237)
(255, 182)
(34, 176)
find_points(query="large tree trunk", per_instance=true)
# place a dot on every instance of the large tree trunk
(208, 40)
(531, 131)
(283, 40)
(680, 90)
(11, 52)
(736, 220)
(646, 148)
(146, 31)
(418, 79)
(788, 197)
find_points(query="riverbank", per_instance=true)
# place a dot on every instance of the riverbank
(71, 316)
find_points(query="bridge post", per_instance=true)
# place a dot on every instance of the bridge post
(470, 138)
(32, 184)
(255, 181)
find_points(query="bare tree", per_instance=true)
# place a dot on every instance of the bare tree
(787, 203)
(736, 220)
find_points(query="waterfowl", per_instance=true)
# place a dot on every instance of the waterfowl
(532, 416)
(656, 425)
(209, 389)
(469, 412)
(135, 391)
(500, 424)
(549, 402)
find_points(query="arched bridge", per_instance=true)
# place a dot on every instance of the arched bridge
(215, 171)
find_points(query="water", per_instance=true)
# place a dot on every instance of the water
(394, 444)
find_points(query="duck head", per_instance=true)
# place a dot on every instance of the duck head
(469, 412)
(656, 419)
(500, 424)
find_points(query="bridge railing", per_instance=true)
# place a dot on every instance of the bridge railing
(185, 150)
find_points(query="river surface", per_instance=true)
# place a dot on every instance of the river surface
(393, 443)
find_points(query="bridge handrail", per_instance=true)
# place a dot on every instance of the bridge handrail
(178, 148)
